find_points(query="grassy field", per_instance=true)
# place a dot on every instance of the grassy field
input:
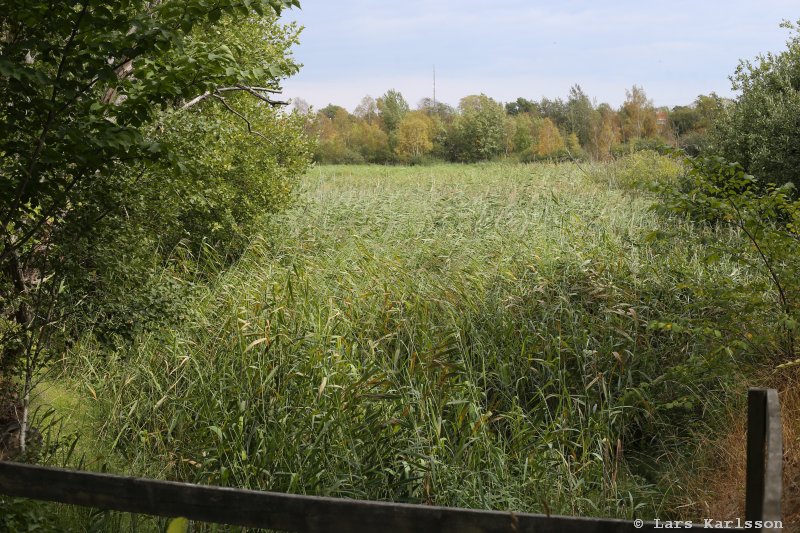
(496, 336)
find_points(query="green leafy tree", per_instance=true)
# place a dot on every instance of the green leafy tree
(579, 114)
(573, 146)
(335, 128)
(684, 119)
(556, 110)
(605, 133)
(522, 105)
(761, 129)
(479, 130)
(693, 124)
(90, 97)
(392, 107)
(709, 108)
(522, 138)
(438, 110)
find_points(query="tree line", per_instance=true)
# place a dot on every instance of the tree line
(387, 130)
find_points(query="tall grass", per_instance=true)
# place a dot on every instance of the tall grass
(494, 336)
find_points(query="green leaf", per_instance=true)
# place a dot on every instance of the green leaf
(178, 525)
(217, 431)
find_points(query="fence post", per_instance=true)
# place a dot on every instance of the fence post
(764, 483)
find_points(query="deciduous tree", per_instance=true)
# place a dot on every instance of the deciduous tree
(88, 92)
(479, 131)
(638, 115)
(550, 142)
(392, 107)
(761, 129)
(367, 110)
(414, 136)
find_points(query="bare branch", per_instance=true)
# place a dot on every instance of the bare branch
(196, 100)
(249, 126)
(255, 92)
(253, 87)
(217, 93)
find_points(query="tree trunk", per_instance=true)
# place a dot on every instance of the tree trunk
(21, 314)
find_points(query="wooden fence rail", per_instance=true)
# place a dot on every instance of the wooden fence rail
(288, 512)
(764, 456)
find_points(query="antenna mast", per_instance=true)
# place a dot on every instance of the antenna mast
(434, 88)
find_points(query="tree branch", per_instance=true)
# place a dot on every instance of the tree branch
(217, 93)
(249, 126)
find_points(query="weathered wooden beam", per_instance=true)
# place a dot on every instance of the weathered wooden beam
(756, 443)
(271, 510)
(764, 482)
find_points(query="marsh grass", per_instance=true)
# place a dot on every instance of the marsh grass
(491, 336)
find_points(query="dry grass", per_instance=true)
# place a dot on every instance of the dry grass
(790, 416)
(720, 490)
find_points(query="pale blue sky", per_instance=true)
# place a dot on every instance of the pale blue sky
(675, 49)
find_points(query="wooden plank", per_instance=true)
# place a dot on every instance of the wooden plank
(773, 458)
(286, 512)
(756, 445)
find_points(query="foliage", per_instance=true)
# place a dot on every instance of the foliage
(367, 110)
(760, 129)
(521, 106)
(550, 144)
(642, 170)
(22, 516)
(72, 108)
(580, 114)
(414, 136)
(521, 138)
(637, 115)
(605, 135)
(136, 135)
(334, 127)
(721, 193)
(479, 130)
(371, 142)
(392, 107)
(693, 123)
(437, 110)
(474, 132)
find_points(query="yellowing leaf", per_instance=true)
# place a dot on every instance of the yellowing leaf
(255, 343)
(178, 525)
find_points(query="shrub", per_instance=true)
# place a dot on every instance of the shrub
(643, 169)
(719, 193)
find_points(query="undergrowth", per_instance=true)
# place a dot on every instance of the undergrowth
(490, 336)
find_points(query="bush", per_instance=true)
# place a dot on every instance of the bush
(718, 193)
(761, 129)
(644, 169)
(695, 143)
(197, 206)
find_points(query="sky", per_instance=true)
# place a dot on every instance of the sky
(674, 49)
